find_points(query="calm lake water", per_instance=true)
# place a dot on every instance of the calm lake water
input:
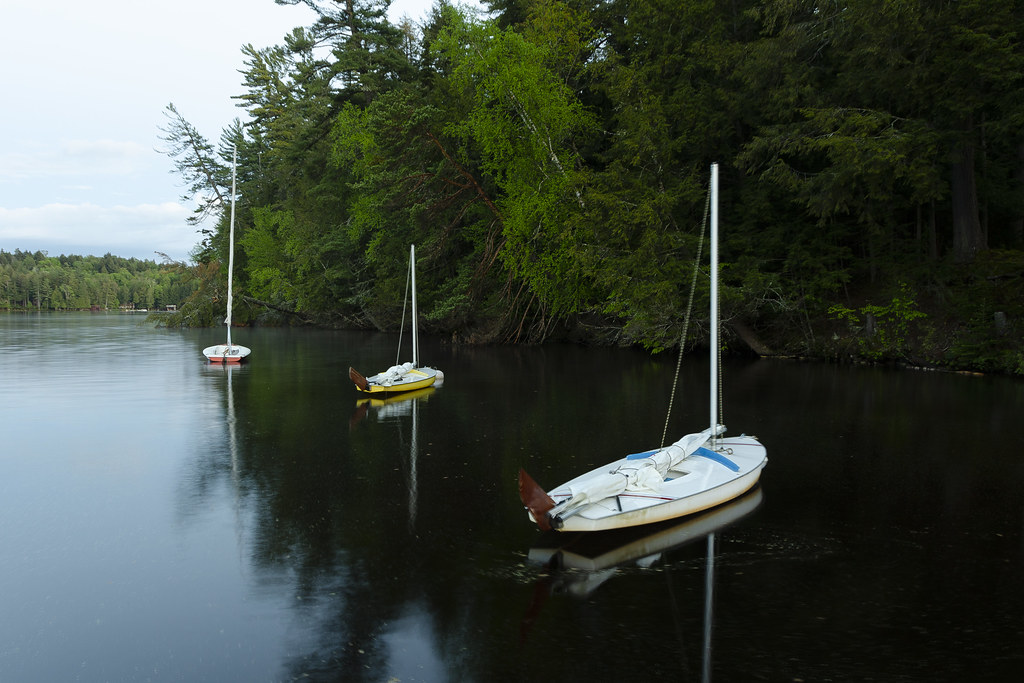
(163, 519)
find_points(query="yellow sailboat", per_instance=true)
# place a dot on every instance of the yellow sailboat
(409, 376)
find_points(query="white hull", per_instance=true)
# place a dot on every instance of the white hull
(596, 552)
(224, 353)
(698, 483)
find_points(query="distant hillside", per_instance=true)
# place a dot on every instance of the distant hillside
(37, 281)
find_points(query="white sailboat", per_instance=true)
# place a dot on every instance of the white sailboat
(228, 352)
(409, 376)
(697, 472)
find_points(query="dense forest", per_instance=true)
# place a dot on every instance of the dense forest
(550, 161)
(37, 281)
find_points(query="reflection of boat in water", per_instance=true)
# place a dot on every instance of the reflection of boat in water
(396, 404)
(579, 562)
(229, 369)
(390, 405)
(394, 408)
(598, 551)
(231, 421)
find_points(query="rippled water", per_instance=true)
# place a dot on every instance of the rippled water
(164, 519)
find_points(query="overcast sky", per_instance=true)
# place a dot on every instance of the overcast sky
(85, 84)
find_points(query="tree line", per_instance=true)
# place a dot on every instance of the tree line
(550, 161)
(37, 281)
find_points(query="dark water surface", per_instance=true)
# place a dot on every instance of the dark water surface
(166, 520)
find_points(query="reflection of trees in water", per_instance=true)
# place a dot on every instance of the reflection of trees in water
(329, 522)
(336, 527)
(343, 625)
(834, 568)
(218, 450)
(577, 564)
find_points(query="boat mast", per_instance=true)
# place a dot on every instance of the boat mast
(714, 302)
(415, 332)
(231, 241)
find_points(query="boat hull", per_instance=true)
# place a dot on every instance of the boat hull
(413, 380)
(699, 483)
(222, 353)
(596, 552)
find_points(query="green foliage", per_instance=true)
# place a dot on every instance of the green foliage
(550, 163)
(523, 120)
(37, 281)
(988, 303)
(882, 330)
(267, 250)
(204, 305)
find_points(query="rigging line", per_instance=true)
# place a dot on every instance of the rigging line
(405, 304)
(686, 320)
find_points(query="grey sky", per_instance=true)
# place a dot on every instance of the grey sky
(85, 87)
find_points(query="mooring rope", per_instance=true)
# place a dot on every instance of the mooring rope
(686, 320)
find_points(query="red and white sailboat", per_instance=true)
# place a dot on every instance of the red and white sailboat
(229, 352)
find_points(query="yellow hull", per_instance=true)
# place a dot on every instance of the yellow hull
(413, 380)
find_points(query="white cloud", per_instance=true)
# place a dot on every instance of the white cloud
(80, 128)
(130, 231)
(105, 149)
(75, 158)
